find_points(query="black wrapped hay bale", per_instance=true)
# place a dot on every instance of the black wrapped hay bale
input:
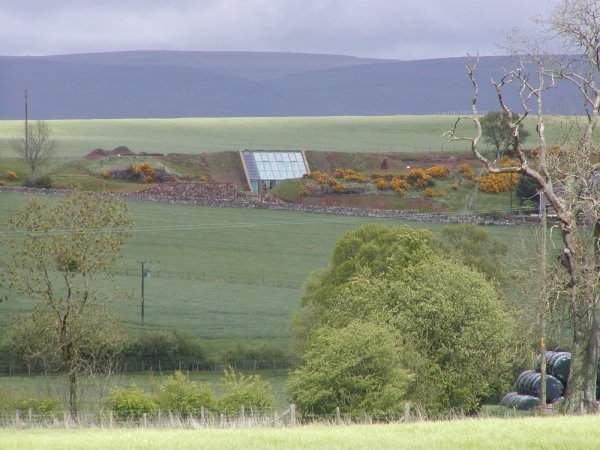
(560, 366)
(528, 383)
(520, 402)
(538, 360)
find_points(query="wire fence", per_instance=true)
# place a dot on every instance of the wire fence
(246, 417)
(160, 366)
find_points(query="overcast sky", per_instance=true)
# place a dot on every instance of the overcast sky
(403, 29)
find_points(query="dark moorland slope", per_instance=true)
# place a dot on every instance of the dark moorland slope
(190, 84)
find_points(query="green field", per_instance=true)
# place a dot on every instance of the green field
(228, 275)
(76, 138)
(502, 434)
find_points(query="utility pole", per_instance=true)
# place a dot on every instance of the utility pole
(26, 123)
(144, 273)
(511, 191)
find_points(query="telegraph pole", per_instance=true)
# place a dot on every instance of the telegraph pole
(143, 274)
(26, 123)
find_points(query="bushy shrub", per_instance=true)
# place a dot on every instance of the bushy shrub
(290, 190)
(381, 184)
(498, 182)
(43, 182)
(131, 403)
(350, 175)
(105, 173)
(438, 171)
(419, 178)
(399, 185)
(432, 193)
(356, 368)
(11, 175)
(249, 391)
(42, 406)
(165, 348)
(185, 397)
(466, 171)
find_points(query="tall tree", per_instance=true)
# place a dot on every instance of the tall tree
(36, 145)
(495, 126)
(56, 253)
(577, 202)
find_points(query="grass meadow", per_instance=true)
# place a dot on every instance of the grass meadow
(225, 275)
(501, 434)
(403, 133)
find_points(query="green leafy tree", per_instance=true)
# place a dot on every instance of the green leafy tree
(496, 130)
(356, 368)
(180, 395)
(474, 247)
(527, 190)
(55, 252)
(249, 391)
(451, 322)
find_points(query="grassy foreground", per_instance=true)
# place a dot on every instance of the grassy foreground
(403, 133)
(530, 433)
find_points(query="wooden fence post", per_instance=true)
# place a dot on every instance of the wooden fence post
(406, 411)
(110, 419)
(17, 418)
(338, 416)
(202, 414)
(293, 415)
(145, 420)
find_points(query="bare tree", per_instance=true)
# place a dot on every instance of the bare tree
(36, 145)
(565, 177)
(56, 253)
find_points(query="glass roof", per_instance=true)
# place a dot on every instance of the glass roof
(263, 165)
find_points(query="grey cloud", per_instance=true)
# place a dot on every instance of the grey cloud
(378, 28)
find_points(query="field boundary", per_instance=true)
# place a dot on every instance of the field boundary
(245, 201)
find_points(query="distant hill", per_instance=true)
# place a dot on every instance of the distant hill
(191, 84)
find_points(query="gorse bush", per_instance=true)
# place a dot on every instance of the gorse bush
(498, 182)
(432, 193)
(438, 171)
(249, 391)
(11, 175)
(131, 403)
(179, 395)
(381, 184)
(466, 171)
(399, 185)
(419, 178)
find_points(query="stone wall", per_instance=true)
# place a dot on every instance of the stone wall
(228, 196)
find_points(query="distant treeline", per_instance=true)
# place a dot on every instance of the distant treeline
(164, 351)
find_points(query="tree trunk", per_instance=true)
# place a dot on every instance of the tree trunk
(73, 394)
(581, 390)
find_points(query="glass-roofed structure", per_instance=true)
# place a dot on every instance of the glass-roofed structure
(265, 168)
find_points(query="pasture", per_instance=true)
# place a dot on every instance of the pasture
(403, 133)
(231, 275)
(501, 434)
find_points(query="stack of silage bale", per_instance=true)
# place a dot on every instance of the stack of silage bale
(558, 365)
